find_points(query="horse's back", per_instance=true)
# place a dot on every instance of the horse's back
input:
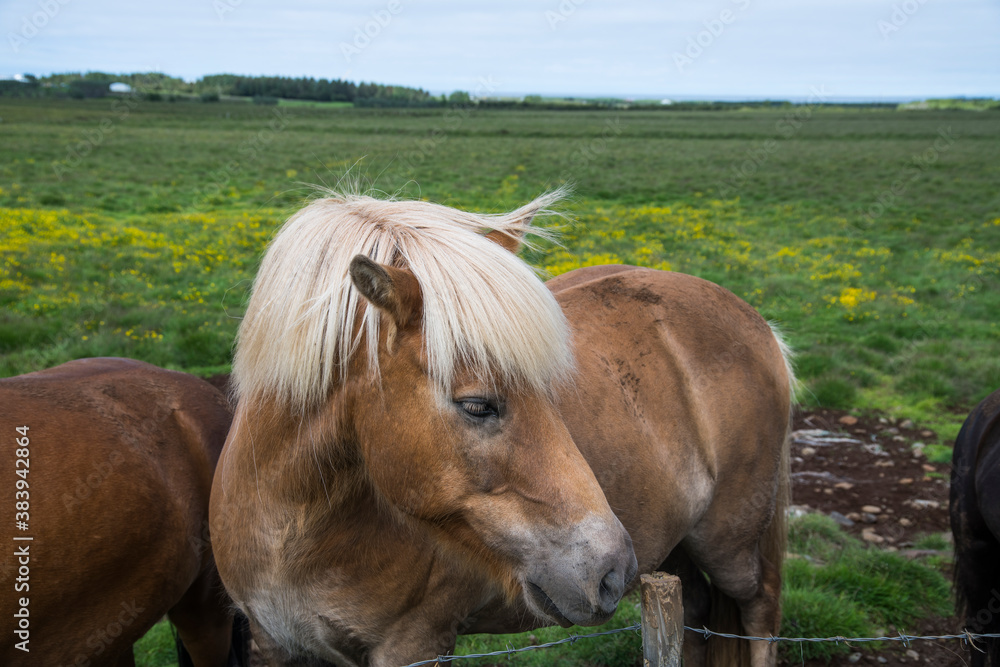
(119, 465)
(587, 274)
(681, 386)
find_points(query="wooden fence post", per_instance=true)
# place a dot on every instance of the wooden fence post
(662, 620)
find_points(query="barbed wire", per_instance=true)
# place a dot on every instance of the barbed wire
(967, 637)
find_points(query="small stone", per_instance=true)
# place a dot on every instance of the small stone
(906, 480)
(927, 434)
(918, 452)
(892, 430)
(898, 438)
(806, 452)
(868, 517)
(871, 509)
(883, 420)
(854, 516)
(905, 523)
(841, 519)
(929, 468)
(844, 486)
(795, 511)
(923, 504)
(882, 660)
(828, 492)
(906, 423)
(853, 658)
(912, 655)
(848, 420)
(869, 535)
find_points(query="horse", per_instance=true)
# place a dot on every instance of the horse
(429, 441)
(110, 462)
(975, 524)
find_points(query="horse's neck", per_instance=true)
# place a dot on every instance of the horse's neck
(305, 480)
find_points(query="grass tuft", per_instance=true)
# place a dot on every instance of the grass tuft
(839, 587)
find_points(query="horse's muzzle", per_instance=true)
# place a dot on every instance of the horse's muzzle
(582, 582)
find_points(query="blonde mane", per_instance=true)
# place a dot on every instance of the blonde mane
(483, 306)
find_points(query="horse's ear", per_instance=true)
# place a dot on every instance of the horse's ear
(510, 240)
(395, 292)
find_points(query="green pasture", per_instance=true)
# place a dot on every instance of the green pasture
(134, 228)
(873, 237)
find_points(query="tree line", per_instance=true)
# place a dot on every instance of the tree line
(213, 87)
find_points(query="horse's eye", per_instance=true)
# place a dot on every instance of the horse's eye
(479, 408)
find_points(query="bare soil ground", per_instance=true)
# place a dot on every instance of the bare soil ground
(880, 470)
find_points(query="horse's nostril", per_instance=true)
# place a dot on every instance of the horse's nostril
(611, 589)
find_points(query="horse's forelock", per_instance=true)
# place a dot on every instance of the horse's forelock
(484, 308)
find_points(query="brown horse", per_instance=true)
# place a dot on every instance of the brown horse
(416, 452)
(111, 461)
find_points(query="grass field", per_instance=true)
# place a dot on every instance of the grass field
(133, 228)
(873, 237)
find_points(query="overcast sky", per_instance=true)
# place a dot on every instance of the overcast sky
(668, 48)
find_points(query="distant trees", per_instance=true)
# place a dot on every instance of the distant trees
(377, 95)
(83, 88)
(320, 90)
(158, 86)
(26, 88)
(303, 88)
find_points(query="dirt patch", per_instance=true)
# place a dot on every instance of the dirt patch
(848, 467)
(870, 464)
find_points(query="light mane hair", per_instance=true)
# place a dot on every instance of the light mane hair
(788, 356)
(483, 308)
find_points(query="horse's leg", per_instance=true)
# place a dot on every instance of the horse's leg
(741, 573)
(760, 605)
(204, 621)
(696, 594)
